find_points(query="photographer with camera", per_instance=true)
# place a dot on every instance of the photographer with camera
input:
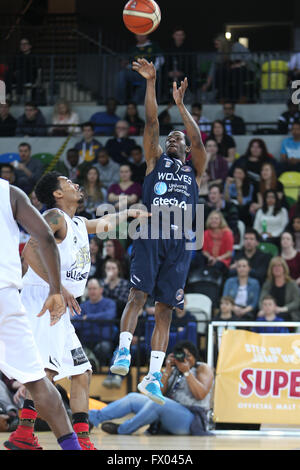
(186, 384)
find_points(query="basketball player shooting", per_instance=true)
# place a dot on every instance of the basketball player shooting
(60, 349)
(160, 267)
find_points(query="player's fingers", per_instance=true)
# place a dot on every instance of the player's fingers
(43, 311)
(174, 86)
(76, 306)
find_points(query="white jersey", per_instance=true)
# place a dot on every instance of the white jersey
(75, 258)
(10, 262)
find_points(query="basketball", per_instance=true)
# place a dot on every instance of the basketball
(141, 16)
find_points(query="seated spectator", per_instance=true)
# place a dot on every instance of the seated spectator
(108, 169)
(180, 319)
(81, 212)
(294, 228)
(256, 155)
(138, 164)
(145, 49)
(186, 386)
(284, 290)
(8, 173)
(258, 261)
(165, 121)
(290, 150)
(104, 122)
(241, 191)
(136, 124)
(88, 147)
(97, 262)
(226, 144)
(32, 123)
(125, 191)
(95, 194)
(287, 119)
(290, 255)
(229, 210)
(268, 180)
(8, 123)
(218, 242)
(244, 290)
(271, 220)
(113, 250)
(217, 166)
(71, 167)
(12, 395)
(234, 125)
(115, 287)
(66, 120)
(294, 67)
(269, 314)
(94, 326)
(204, 188)
(120, 146)
(28, 170)
(25, 69)
(203, 122)
(226, 312)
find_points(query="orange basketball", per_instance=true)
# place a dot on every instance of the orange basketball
(141, 16)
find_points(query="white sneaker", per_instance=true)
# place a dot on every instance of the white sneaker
(151, 387)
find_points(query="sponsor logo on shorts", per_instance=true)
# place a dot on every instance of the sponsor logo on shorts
(179, 295)
(160, 189)
(79, 357)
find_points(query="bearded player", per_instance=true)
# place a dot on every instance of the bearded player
(59, 347)
(160, 266)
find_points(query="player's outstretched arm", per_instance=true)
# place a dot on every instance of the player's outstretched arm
(199, 156)
(109, 222)
(152, 148)
(27, 216)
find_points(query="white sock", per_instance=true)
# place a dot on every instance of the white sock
(125, 340)
(156, 361)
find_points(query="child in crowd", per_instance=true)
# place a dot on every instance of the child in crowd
(269, 308)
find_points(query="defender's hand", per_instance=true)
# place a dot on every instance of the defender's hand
(144, 68)
(178, 93)
(56, 305)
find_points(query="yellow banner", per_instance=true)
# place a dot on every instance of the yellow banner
(258, 378)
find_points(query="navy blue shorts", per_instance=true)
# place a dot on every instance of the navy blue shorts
(160, 269)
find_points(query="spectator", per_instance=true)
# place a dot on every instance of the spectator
(244, 290)
(204, 188)
(65, 119)
(8, 123)
(94, 326)
(81, 212)
(94, 191)
(226, 144)
(146, 49)
(294, 228)
(242, 192)
(104, 122)
(165, 121)
(186, 386)
(284, 290)
(234, 125)
(32, 123)
(180, 320)
(115, 287)
(287, 119)
(269, 314)
(294, 67)
(136, 124)
(271, 220)
(8, 173)
(229, 210)
(217, 167)
(295, 209)
(36, 203)
(70, 166)
(28, 170)
(108, 169)
(113, 250)
(218, 242)
(25, 69)
(96, 246)
(290, 255)
(12, 395)
(226, 312)
(88, 146)
(290, 150)
(258, 261)
(256, 155)
(120, 146)
(126, 190)
(268, 180)
(203, 122)
(138, 165)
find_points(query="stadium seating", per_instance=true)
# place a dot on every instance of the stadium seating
(200, 306)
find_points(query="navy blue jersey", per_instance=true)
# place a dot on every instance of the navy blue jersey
(171, 184)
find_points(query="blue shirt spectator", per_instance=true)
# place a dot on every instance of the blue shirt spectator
(269, 314)
(104, 122)
(290, 147)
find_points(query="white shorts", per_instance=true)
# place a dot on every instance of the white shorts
(19, 355)
(59, 346)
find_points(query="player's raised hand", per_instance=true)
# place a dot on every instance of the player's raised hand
(56, 305)
(144, 68)
(178, 93)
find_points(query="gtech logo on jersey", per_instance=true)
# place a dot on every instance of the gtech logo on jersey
(178, 178)
(160, 201)
(160, 189)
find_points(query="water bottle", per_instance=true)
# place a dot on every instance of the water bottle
(264, 229)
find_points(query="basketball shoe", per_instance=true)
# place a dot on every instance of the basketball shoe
(121, 362)
(17, 441)
(151, 387)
